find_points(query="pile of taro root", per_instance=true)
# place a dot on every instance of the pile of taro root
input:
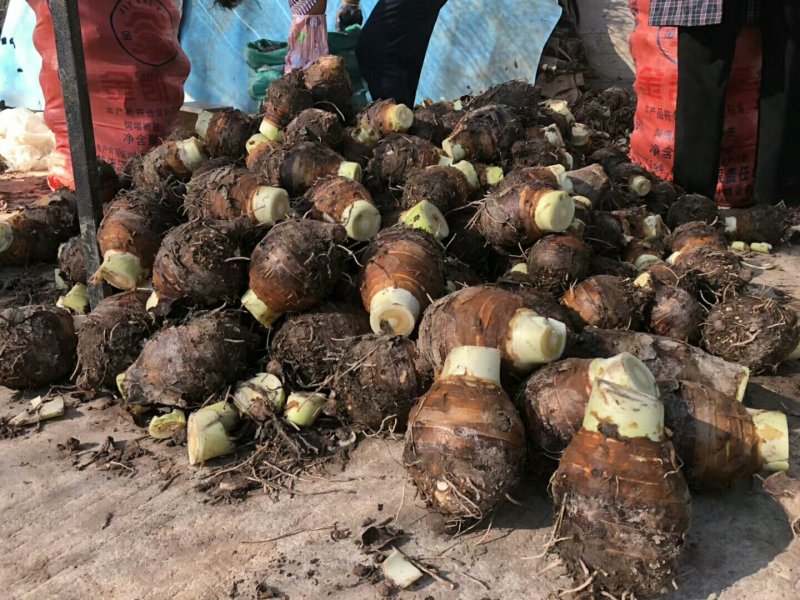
(490, 276)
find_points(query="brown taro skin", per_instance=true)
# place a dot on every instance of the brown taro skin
(714, 436)
(182, 366)
(475, 316)
(112, 337)
(445, 187)
(556, 262)
(297, 264)
(296, 167)
(604, 301)
(396, 157)
(286, 98)
(623, 510)
(196, 263)
(486, 134)
(315, 125)
(464, 436)
(554, 403)
(507, 217)
(228, 131)
(405, 258)
(330, 197)
(308, 345)
(756, 332)
(37, 346)
(676, 314)
(378, 380)
(666, 358)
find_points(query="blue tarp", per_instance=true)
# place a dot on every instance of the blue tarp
(475, 44)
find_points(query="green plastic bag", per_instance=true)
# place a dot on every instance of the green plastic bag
(267, 59)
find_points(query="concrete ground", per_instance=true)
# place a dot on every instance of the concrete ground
(142, 531)
(606, 28)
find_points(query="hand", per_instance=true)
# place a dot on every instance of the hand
(349, 14)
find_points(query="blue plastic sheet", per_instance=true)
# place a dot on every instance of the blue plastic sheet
(19, 61)
(475, 45)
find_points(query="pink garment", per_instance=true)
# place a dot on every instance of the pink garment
(308, 41)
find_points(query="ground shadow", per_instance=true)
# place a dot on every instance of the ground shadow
(735, 534)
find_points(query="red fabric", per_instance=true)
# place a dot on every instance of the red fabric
(655, 54)
(135, 70)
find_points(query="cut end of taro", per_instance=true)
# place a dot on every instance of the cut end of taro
(164, 426)
(772, 429)
(6, 236)
(730, 225)
(268, 205)
(453, 150)
(627, 413)
(560, 107)
(264, 386)
(742, 389)
(553, 135)
(262, 313)
(520, 268)
(473, 361)
(152, 301)
(424, 215)
(77, 300)
(361, 220)
(640, 185)
(399, 571)
(580, 135)
(582, 200)
(270, 131)
(351, 170)
(534, 340)
(644, 281)
(303, 408)
(207, 432)
(645, 260)
(256, 141)
(626, 371)
(673, 258)
(554, 212)
(120, 380)
(402, 118)
(654, 228)
(367, 135)
(121, 270)
(494, 175)
(191, 153)
(469, 172)
(202, 123)
(394, 310)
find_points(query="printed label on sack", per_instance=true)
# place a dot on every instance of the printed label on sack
(139, 27)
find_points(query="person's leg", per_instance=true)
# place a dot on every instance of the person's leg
(772, 139)
(392, 46)
(705, 58)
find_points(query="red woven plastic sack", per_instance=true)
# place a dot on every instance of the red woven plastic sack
(655, 54)
(135, 69)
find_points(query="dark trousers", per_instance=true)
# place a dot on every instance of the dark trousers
(392, 47)
(705, 59)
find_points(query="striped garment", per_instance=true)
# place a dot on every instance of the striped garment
(299, 8)
(694, 13)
